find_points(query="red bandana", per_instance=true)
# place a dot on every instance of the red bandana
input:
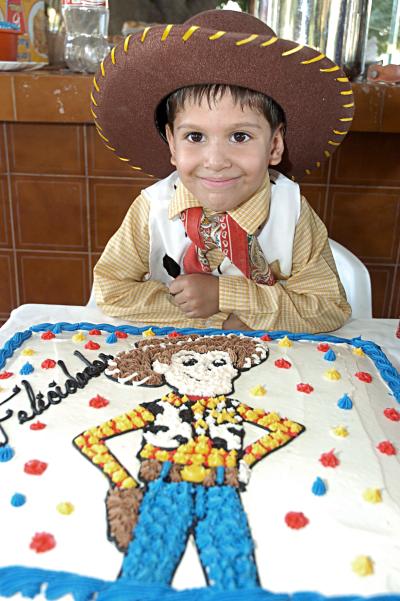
(223, 232)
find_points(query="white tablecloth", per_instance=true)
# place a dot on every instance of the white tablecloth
(381, 331)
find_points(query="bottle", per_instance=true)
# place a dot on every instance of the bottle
(86, 29)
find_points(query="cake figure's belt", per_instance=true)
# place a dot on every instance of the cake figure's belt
(151, 469)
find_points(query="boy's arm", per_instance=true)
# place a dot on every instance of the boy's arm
(311, 300)
(118, 277)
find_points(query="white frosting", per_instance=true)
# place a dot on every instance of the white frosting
(342, 525)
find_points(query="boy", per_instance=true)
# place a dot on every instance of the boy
(221, 242)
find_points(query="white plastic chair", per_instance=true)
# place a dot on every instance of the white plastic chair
(355, 279)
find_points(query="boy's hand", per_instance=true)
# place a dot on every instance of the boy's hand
(197, 294)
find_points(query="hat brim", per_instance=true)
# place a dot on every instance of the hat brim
(139, 73)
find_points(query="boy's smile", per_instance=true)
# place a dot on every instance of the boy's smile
(222, 152)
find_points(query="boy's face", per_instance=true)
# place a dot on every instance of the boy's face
(222, 153)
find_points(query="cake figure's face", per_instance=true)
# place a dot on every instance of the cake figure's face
(209, 374)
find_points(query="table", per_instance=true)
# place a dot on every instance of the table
(381, 331)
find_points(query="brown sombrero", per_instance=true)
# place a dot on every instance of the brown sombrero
(226, 47)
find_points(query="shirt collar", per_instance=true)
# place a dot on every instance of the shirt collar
(250, 215)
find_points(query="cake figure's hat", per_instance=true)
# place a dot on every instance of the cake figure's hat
(226, 47)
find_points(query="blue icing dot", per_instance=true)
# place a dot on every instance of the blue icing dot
(318, 487)
(111, 339)
(330, 355)
(18, 499)
(345, 402)
(6, 453)
(26, 369)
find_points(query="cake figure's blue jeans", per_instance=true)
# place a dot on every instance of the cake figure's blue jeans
(169, 512)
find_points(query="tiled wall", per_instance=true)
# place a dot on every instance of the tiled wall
(63, 194)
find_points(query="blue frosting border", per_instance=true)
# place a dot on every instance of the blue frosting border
(30, 581)
(389, 374)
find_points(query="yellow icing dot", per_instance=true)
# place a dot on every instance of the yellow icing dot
(65, 508)
(162, 455)
(285, 342)
(79, 337)
(372, 495)
(148, 333)
(362, 565)
(332, 374)
(359, 352)
(340, 431)
(194, 473)
(2, 389)
(28, 352)
(128, 483)
(258, 391)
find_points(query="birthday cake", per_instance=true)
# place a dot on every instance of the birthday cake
(160, 464)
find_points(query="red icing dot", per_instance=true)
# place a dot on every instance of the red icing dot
(296, 520)
(42, 541)
(98, 402)
(47, 335)
(307, 388)
(364, 376)
(92, 346)
(6, 374)
(266, 337)
(35, 467)
(323, 347)
(283, 363)
(95, 333)
(121, 334)
(48, 364)
(386, 448)
(174, 335)
(37, 426)
(329, 459)
(392, 414)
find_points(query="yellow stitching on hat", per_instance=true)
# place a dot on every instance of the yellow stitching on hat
(122, 159)
(313, 60)
(126, 42)
(348, 106)
(101, 135)
(333, 143)
(251, 37)
(293, 50)
(346, 119)
(346, 92)
(190, 32)
(97, 125)
(96, 85)
(113, 55)
(93, 113)
(109, 147)
(339, 133)
(136, 168)
(102, 68)
(318, 164)
(166, 32)
(216, 36)
(269, 42)
(342, 79)
(93, 99)
(327, 153)
(144, 34)
(330, 69)
(308, 171)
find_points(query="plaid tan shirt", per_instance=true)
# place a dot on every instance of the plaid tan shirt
(311, 300)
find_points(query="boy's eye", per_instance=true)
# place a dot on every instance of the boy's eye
(194, 136)
(240, 136)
